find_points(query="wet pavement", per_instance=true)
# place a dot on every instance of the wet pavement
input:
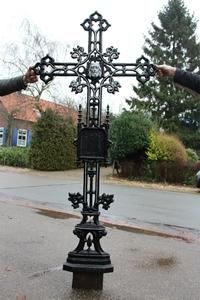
(34, 246)
(152, 260)
(160, 210)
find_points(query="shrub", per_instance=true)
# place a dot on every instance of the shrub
(192, 155)
(165, 147)
(14, 156)
(168, 158)
(129, 134)
(52, 143)
(190, 138)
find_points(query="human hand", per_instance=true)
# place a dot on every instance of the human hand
(30, 76)
(165, 70)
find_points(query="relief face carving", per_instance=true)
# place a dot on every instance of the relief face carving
(95, 70)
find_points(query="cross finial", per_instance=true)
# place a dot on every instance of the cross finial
(95, 22)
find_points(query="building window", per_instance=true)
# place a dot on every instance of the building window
(22, 137)
(1, 135)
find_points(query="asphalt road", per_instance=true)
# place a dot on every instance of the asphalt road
(34, 243)
(132, 204)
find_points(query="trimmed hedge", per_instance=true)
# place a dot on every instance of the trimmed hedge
(14, 156)
(52, 146)
(166, 147)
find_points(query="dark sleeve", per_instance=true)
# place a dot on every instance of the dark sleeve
(188, 80)
(8, 86)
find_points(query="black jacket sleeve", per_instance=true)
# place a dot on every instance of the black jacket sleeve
(8, 86)
(188, 80)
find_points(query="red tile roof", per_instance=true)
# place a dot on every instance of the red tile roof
(26, 107)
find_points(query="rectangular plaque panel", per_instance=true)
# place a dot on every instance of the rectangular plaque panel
(92, 144)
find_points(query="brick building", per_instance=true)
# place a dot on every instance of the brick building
(18, 113)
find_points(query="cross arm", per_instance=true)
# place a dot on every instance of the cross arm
(47, 69)
(142, 69)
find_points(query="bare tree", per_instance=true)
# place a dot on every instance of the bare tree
(18, 57)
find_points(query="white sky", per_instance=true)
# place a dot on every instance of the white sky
(60, 20)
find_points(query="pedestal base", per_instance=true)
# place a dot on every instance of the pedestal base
(87, 280)
(88, 269)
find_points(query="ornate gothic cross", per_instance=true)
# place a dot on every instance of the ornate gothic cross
(93, 70)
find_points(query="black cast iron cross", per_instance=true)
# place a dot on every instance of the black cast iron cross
(93, 70)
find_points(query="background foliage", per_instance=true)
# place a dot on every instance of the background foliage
(129, 134)
(172, 42)
(52, 143)
(14, 156)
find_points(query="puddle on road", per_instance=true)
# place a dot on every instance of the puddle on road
(146, 231)
(163, 230)
(165, 261)
(55, 214)
(160, 262)
(186, 234)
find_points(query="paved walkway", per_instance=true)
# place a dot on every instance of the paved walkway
(35, 241)
(34, 245)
